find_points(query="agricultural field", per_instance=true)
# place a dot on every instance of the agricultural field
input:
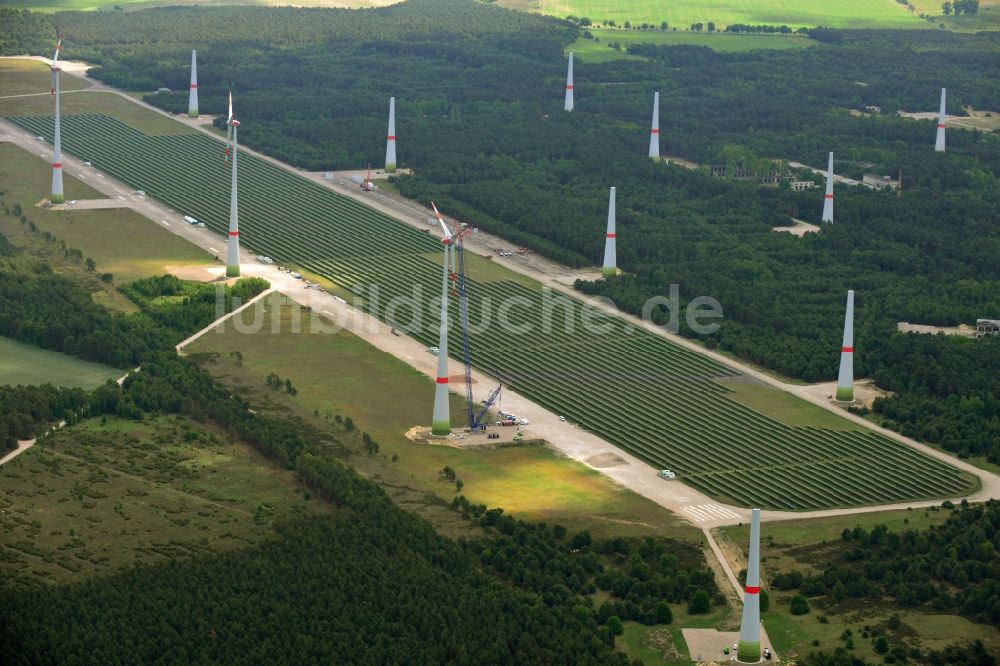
(987, 18)
(339, 374)
(26, 364)
(657, 400)
(121, 241)
(107, 494)
(682, 13)
(599, 49)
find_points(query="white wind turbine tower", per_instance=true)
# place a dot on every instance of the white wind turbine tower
(828, 197)
(939, 142)
(390, 139)
(654, 133)
(57, 196)
(193, 95)
(568, 105)
(233, 242)
(441, 418)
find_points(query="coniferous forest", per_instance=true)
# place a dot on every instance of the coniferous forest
(479, 118)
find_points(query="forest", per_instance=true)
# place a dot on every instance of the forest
(479, 119)
(369, 584)
(948, 568)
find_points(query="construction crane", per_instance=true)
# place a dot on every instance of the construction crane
(367, 185)
(457, 240)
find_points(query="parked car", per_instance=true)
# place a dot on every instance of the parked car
(667, 474)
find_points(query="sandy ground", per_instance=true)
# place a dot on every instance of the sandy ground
(865, 393)
(843, 180)
(196, 273)
(707, 645)
(975, 120)
(800, 229)
(375, 174)
(562, 436)
(961, 329)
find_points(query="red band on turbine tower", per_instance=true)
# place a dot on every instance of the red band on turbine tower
(569, 87)
(654, 131)
(57, 165)
(752, 590)
(829, 196)
(847, 350)
(612, 235)
(194, 85)
(234, 233)
(442, 380)
(391, 137)
(941, 126)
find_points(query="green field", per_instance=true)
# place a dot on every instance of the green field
(682, 13)
(30, 76)
(24, 77)
(108, 494)
(600, 50)
(655, 399)
(341, 374)
(22, 363)
(119, 240)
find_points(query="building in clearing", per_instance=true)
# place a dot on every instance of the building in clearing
(878, 182)
(985, 327)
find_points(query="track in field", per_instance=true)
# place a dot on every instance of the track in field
(657, 400)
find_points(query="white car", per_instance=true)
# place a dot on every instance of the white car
(667, 474)
(71, 202)
(522, 422)
(434, 350)
(562, 418)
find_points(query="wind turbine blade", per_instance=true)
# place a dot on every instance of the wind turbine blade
(440, 219)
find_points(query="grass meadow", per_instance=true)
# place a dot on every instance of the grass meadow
(341, 374)
(682, 13)
(22, 363)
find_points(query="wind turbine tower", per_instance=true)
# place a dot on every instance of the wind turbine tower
(748, 649)
(654, 133)
(193, 95)
(568, 106)
(828, 199)
(610, 268)
(390, 139)
(57, 179)
(233, 246)
(441, 419)
(845, 379)
(939, 142)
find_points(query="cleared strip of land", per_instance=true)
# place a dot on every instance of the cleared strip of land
(655, 399)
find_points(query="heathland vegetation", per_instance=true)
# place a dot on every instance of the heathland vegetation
(902, 584)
